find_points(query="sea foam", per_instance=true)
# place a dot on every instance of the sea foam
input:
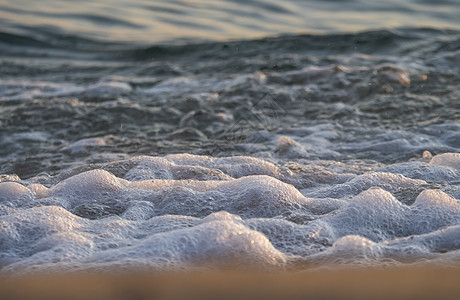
(190, 211)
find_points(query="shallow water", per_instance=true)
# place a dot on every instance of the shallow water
(275, 152)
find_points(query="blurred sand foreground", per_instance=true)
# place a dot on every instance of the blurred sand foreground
(390, 283)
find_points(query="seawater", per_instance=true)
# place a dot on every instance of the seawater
(289, 151)
(188, 21)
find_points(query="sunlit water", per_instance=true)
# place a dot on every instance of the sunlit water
(159, 21)
(300, 150)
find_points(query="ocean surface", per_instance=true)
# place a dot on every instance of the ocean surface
(202, 134)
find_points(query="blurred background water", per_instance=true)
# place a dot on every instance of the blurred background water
(155, 77)
(165, 20)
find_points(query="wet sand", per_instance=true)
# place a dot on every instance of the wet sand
(389, 283)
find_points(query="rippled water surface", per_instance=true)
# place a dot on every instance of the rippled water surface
(298, 150)
(159, 21)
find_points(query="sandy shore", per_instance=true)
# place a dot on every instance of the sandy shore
(393, 283)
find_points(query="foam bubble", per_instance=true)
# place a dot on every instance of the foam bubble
(351, 249)
(183, 210)
(451, 160)
(374, 214)
(387, 181)
(208, 244)
(21, 230)
(14, 192)
(39, 190)
(91, 186)
(432, 210)
(424, 245)
(164, 168)
(235, 166)
(290, 148)
(108, 88)
(139, 210)
(424, 171)
(249, 196)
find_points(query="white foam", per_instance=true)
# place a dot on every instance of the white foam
(139, 210)
(350, 249)
(290, 148)
(424, 171)
(451, 160)
(188, 166)
(108, 88)
(91, 186)
(23, 229)
(439, 241)
(183, 210)
(14, 192)
(432, 210)
(250, 196)
(387, 181)
(208, 244)
(374, 214)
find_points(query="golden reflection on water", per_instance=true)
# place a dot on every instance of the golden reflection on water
(153, 21)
